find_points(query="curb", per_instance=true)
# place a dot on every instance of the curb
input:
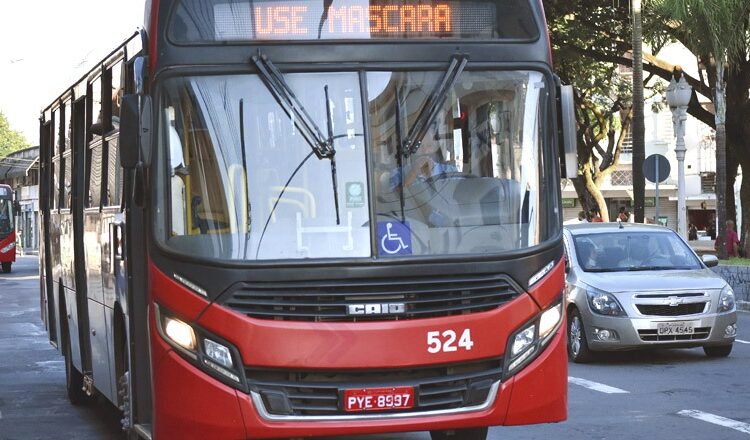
(743, 306)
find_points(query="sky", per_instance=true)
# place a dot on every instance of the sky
(46, 45)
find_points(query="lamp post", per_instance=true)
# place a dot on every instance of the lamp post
(679, 93)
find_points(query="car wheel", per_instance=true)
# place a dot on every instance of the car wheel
(578, 346)
(717, 350)
(6, 267)
(460, 434)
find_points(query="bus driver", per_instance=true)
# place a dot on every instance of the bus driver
(428, 161)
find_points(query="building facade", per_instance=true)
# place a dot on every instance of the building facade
(20, 170)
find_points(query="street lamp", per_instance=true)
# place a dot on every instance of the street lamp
(679, 93)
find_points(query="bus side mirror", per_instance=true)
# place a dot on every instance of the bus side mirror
(135, 131)
(16, 208)
(569, 159)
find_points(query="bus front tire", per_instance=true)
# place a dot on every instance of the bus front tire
(6, 267)
(460, 434)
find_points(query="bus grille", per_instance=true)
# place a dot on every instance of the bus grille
(317, 393)
(653, 335)
(330, 301)
(667, 310)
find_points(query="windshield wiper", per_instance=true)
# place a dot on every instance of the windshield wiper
(283, 94)
(322, 146)
(433, 105)
(644, 268)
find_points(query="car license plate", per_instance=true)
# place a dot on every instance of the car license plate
(675, 328)
(378, 399)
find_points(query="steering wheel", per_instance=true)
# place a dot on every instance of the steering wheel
(447, 175)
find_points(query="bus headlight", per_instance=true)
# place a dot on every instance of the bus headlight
(525, 344)
(204, 350)
(180, 333)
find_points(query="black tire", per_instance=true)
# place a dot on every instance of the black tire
(460, 434)
(578, 344)
(6, 267)
(716, 351)
(73, 380)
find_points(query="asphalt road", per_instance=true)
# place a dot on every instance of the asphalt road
(659, 395)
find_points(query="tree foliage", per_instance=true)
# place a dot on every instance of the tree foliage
(10, 140)
(600, 31)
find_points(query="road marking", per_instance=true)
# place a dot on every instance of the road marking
(741, 341)
(716, 420)
(596, 386)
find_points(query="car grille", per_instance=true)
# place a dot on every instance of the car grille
(667, 310)
(653, 336)
(317, 393)
(421, 297)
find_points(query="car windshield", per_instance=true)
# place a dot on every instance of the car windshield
(633, 251)
(241, 180)
(6, 217)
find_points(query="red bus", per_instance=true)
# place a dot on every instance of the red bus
(293, 218)
(7, 228)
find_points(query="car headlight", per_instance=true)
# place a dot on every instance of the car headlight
(526, 343)
(604, 303)
(726, 300)
(204, 350)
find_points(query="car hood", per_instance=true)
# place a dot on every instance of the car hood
(663, 280)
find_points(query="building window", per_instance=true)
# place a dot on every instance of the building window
(622, 178)
(708, 183)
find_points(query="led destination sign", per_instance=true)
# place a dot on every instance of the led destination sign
(272, 20)
(206, 21)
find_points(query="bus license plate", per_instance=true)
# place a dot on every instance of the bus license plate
(675, 328)
(378, 399)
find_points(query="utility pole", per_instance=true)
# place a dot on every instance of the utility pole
(639, 130)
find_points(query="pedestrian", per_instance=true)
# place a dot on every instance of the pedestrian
(595, 217)
(732, 241)
(623, 215)
(575, 221)
(692, 232)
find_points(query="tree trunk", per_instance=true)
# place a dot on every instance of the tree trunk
(639, 152)
(745, 231)
(721, 159)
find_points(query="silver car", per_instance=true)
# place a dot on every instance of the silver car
(640, 286)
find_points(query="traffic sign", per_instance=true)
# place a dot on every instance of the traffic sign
(656, 166)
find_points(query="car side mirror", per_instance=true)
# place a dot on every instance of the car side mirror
(710, 260)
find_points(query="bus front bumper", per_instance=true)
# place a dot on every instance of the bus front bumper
(190, 404)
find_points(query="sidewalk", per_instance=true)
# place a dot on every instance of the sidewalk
(702, 247)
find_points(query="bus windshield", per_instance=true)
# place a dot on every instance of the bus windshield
(240, 181)
(6, 217)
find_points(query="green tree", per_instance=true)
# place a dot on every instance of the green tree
(716, 31)
(10, 140)
(601, 32)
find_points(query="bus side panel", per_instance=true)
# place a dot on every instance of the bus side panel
(73, 334)
(55, 269)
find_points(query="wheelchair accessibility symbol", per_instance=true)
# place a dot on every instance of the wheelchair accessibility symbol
(395, 238)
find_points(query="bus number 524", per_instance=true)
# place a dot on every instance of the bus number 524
(437, 342)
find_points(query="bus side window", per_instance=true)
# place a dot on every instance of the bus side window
(113, 191)
(54, 183)
(67, 156)
(94, 176)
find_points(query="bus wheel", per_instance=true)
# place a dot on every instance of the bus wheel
(73, 380)
(6, 267)
(460, 434)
